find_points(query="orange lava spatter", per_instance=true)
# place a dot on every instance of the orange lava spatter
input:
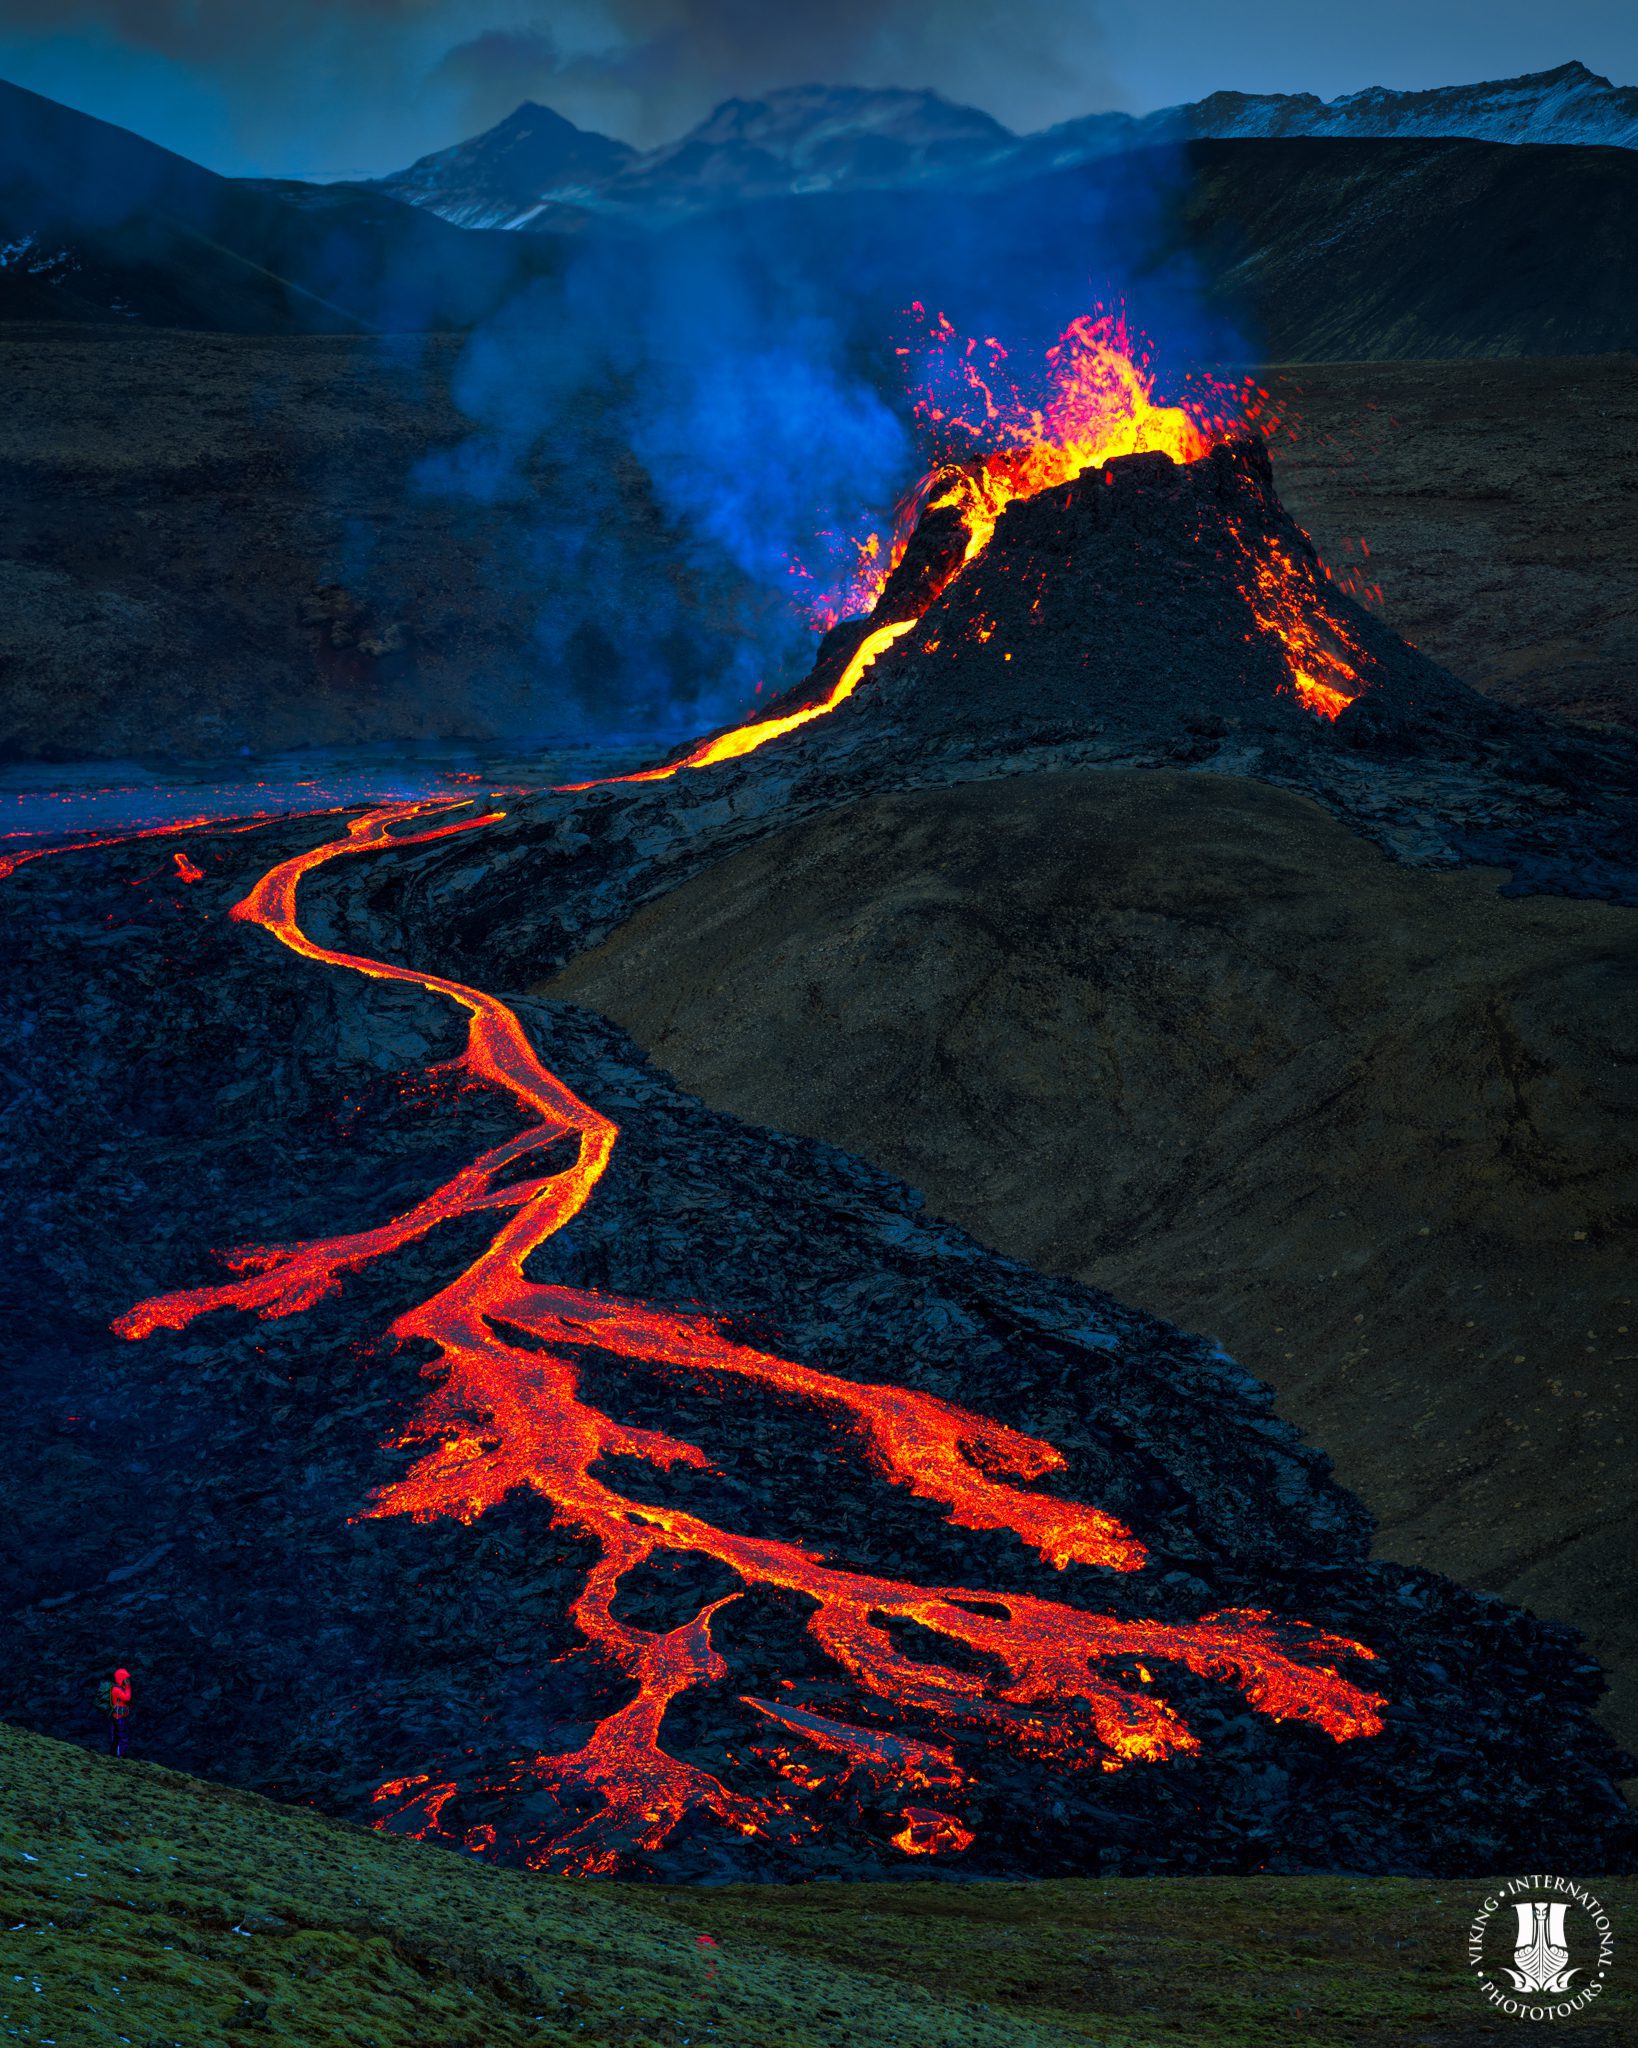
(990, 441)
(994, 442)
(511, 1415)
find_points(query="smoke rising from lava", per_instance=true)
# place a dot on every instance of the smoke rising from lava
(675, 418)
(738, 428)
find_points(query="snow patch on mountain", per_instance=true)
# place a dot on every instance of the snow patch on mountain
(498, 179)
(536, 169)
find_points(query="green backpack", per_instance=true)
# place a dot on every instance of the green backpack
(105, 1697)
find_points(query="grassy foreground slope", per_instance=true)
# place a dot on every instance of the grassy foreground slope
(140, 1906)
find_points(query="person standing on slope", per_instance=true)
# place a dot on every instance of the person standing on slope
(115, 1699)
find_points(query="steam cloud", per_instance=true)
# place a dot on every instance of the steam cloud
(671, 420)
(673, 424)
(678, 417)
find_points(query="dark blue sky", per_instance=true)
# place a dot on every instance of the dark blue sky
(349, 87)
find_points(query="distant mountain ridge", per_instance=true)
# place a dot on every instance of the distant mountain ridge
(798, 139)
(536, 170)
(1568, 104)
(1290, 247)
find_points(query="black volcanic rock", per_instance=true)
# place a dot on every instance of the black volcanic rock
(1115, 620)
(1124, 599)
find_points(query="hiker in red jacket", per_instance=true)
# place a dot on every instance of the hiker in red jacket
(118, 1696)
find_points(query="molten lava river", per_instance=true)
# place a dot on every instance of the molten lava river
(511, 1411)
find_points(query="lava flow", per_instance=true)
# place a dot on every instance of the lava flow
(1324, 676)
(745, 739)
(11, 862)
(510, 1415)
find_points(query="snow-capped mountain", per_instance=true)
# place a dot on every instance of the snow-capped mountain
(537, 170)
(526, 173)
(816, 138)
(1570, 104)
(499, 179)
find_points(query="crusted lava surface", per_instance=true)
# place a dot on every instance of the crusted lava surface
(331, 1555)
(1132, 613)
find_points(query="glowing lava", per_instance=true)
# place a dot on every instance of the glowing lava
(1320, 654)
(1067, 1688)
(510, 1415)
(994, 442)
(11, 862)
(991, 441)
(927, 1832)
(745, 739)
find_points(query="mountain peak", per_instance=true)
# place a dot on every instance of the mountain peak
(538, 169)
(791, 110)
(528, 112)
(499, 177)
(1573, 73)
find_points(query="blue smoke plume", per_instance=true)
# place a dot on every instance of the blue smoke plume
(674, 424)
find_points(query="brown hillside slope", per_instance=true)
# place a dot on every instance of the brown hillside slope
(1499, 502)
(1188, 1038)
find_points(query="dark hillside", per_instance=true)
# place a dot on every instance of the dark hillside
(1353, 250)
(1281, 249)
(98, 225)
(184, 585)
(1288, 249)
(1249, 1053)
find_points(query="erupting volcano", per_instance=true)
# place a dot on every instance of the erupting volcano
(990, 442)
(911, 1692)
(992, 445)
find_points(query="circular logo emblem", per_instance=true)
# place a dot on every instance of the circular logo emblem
(1540, 1947)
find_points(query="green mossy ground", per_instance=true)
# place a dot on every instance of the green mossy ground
(144, 1907)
